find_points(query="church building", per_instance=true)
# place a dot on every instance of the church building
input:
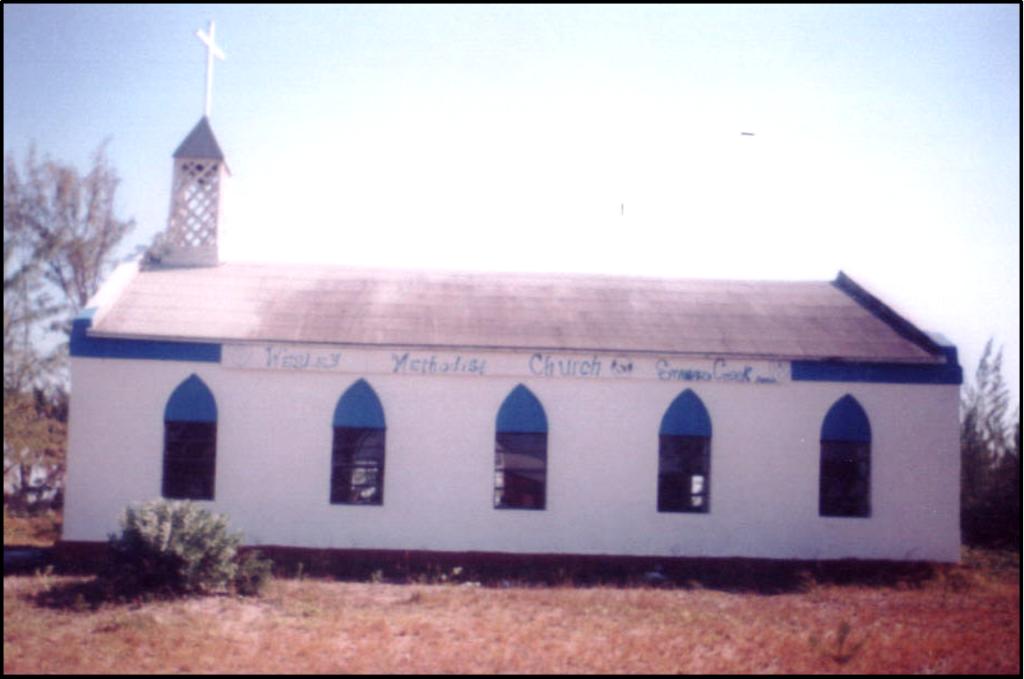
(351, 409)
(339, 408)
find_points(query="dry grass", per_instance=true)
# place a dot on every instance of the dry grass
(964, 620)
(42, 530)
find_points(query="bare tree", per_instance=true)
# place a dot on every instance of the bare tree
(60, 236)
(69, 222)
(29, 307)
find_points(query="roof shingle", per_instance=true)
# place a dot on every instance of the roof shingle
(334, 305)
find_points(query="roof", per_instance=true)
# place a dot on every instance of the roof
(786, 320)
(200, 143)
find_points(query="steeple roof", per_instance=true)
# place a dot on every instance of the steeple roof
(200, 143)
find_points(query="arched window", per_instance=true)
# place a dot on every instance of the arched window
(357, 455)
(190, 442)
(684, 456)
(845, 482)
(520, 452)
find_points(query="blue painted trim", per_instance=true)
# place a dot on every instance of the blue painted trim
(521, 413)
(686, 416)
(359, 407)
(883, 373)
(84, 346)
(886, 373)
(846, 421)
(192, 401)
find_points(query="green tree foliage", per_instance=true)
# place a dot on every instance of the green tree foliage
(60, 236)
(990, 480)
(175, 548)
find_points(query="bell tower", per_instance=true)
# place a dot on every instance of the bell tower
(192, 226)
(199, 173)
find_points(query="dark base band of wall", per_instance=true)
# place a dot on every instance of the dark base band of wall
(504, 569)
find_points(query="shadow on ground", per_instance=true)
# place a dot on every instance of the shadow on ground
(762, 576)
(739, 575)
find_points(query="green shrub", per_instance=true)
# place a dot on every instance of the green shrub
(176, 548)
(253, 574)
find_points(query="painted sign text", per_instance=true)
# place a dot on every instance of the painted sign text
(288, 359)
(432, 365)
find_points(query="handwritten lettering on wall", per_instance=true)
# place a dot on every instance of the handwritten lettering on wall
(432, 365)
(722, 370)
(548, 365)
(281, 357)
(538, 365)
(287, 359)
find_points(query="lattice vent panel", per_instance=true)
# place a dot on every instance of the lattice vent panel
(196, 198)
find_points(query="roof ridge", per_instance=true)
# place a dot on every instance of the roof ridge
(904, 327)
(479, 273)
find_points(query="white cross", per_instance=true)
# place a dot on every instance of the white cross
(211, 51)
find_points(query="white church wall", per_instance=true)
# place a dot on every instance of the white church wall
(274, 454)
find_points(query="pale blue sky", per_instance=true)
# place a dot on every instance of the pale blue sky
(570, 138)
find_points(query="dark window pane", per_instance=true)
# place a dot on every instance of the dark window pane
(520, 470)
(845, 479)
(684, 473)
(357, 466)
(190, 454)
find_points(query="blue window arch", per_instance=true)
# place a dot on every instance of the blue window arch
(846, 421)
(190, 442)
(522, 413)
(359, 407)
(684, 456)
(520, 452)
(357, 451)
(844, 487)
(686, 416)
(191, 401)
